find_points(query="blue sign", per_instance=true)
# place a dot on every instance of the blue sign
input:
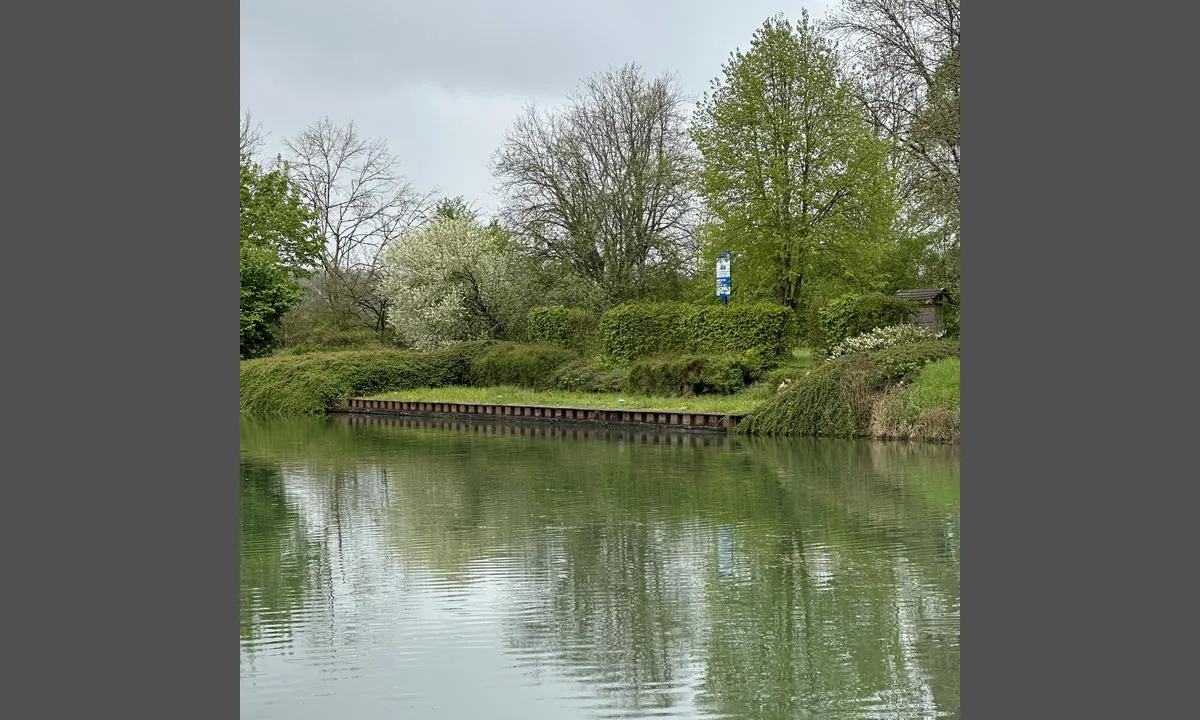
(723, 279)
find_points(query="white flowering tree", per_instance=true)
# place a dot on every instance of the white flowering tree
(451, 281)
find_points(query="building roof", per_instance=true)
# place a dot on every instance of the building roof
(924, 295)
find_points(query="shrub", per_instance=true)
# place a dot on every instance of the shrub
(782, 378)
(527, 365)
(637, 330)
(585, 376)
(854, 314)
(952, 319)
(690, 375)
(837, 398)
(301, 384)
(568, 327)
(318, 339)
(882, 337)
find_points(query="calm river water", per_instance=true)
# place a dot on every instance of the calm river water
(393, 568)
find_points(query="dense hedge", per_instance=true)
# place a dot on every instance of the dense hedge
(836, 398)
(691, 375)
(568, 327)
(299, 384)
(590, 376)
(639, 330)
(508, 363)
(851, 315)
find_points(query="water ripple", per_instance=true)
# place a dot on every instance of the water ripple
(396, 571)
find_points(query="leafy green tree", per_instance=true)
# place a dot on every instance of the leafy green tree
(795, 181)
(274, 216)
(267, 292)
(455, 208)
(279, 245)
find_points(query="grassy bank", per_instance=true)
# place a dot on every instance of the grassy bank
(737, 403)
(845, 396)
(908, 391)
(927, 409)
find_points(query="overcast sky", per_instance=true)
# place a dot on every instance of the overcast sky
(442, 80)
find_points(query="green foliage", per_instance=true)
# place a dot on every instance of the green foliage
(927, 409)
(837, 398)
(509, 363)
(273, 215)
(952, 319)
(569, 327)
(315, 337)
(590, 376)
(279, 243)
(637, 330)
(691, 375)
(781, 378)
(267, 292)
(301, 384)
(856, 314)
(797, 184)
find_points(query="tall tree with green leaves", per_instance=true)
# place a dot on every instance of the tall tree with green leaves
(280, 244)
(796, 184)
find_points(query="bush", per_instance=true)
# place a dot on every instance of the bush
(319, 339)
(585, 376)
(531, 365)
(781, 378)
(927, 409)
(853, 314)
(638, 330)
(952, 319)
(568, 327)
(301, 384)
(690, 375)
(837, 398)
(883, 337)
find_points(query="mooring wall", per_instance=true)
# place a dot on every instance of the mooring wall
(658, 418)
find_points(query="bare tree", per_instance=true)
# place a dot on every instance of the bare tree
(603, 184)
(905, 53)
(251, 139)
(362, 204)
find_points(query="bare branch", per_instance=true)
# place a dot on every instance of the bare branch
(905, 54)
(251, 140)
(362, 204)
(602, 184)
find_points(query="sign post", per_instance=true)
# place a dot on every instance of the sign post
(723, 282)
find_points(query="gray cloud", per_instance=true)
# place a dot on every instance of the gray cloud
(442, 81)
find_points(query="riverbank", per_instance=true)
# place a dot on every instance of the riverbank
(908, 392)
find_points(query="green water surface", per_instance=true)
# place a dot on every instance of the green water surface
(403, 569)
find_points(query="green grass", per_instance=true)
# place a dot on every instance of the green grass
(738, 403)
(937, 385)
(838, 398)
(926, 409)
(802, 357)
